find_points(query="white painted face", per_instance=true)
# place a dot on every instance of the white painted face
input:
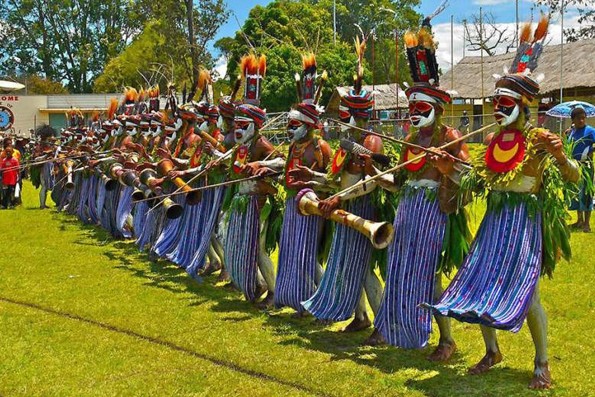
(422, 114)
(133, 131)
(147, 132)
(220, 123)
(118, 131)
(203, 126)
(157, 131)
(244, 131)
(351, 122)
(506, 110)
(296, 130)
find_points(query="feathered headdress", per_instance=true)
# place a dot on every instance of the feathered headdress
(308, 110)
(359, 101)
(421, 57)
(154, 98)
(517, 80)
(129, 101)
(205, 86)
(253, 70)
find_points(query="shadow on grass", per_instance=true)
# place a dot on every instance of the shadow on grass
(434, 379)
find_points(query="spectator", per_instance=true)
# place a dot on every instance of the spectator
(9, 169)
(464, 123)
(583, 138)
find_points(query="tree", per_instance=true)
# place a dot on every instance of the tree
(64, 40)
(39, 86)
(172, 45)
(482, 33)
(586, 17)
(284, 29)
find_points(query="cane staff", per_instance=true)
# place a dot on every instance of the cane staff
(215, 163)
(414, 159)
(227, 183)
(399, 141)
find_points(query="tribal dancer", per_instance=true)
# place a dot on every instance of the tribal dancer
(349, 267)
(248, 264)
(298, 271)
(428, 227)
(524, 171)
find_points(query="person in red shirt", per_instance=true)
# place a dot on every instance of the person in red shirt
(10, 173)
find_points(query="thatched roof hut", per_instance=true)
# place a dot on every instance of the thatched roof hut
(578, 72)
(384, 96)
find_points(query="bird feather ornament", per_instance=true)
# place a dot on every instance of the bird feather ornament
(360, 50)
(253, 70)
(530, 46)
(111, 109)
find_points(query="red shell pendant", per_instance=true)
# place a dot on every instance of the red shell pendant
(506, 151)
(416, 165)
(241, 157)
(338, 161)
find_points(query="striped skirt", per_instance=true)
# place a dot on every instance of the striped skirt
(413, 258)
(210, 209)
(166, 242)
(46, 177)
(349, 259)
(187, 236)
(124, 210)
(92, 200)
(139, 212)
(495, 284)
(298, 247)
(241, 248)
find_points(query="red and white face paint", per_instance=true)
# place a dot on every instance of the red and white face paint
(296, 129)
(421, 113)
(244, 130)
(506, 109)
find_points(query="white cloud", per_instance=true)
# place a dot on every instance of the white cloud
(489, 2)
(220, 69)
(442, 35)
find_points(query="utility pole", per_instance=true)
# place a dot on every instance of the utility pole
(481, 53)
(464, 36)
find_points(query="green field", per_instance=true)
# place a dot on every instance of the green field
(82, 314)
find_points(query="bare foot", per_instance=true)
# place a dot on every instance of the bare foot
(320, 321)
(223, 276)
(576, 225)
(376, 339)
(488, 361)
(267, 302)
(358, 324)
(541, 377)
(209, 269)
(443, 351)
(301, 314)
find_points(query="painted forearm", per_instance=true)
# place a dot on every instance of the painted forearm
(276, 164)
(569, 169)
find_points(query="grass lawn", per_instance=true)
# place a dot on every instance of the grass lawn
(82, 314)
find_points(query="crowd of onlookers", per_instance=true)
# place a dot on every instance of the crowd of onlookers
(11, 172)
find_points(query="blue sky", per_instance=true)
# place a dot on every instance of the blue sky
(503, 11)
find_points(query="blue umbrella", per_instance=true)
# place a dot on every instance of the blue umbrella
(564, 109)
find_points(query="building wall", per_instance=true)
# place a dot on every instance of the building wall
(25, 109)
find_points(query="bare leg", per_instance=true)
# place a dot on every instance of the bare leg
(214, 262)
(42, 196)
(373, 290)
(361, 320)
(586, 222)
(492, 356)
(265, 265)
(579, 220)
(446, 345)
(537, 322)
